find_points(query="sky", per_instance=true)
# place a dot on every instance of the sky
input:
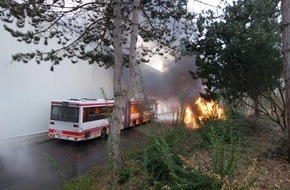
(198, 5)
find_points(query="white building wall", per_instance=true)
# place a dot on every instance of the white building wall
(27, 89)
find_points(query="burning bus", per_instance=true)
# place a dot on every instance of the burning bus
(84, 119)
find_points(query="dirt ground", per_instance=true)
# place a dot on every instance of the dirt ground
(265, 161)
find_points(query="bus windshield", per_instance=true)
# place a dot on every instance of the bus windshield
(60, 113)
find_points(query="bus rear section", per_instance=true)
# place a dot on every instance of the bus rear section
(79, 119)
(139, 111)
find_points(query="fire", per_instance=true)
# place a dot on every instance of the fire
(209, 109)
(204, 110)
(189, 118)
(188, 115)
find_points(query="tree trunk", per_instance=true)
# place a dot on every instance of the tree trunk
(133, 90)
(285, 8)
(119, 97)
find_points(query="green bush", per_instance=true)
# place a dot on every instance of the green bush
(80, 183)
(163, 168)
(125, 174)
(181, 140)
(223, 140)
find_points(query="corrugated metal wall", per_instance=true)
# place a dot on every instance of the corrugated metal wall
(27, 89)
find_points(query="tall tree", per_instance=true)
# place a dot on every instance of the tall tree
(238, 53)
(99, 31)
(285, 10)
(119, 93)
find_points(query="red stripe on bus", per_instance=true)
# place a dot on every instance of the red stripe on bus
(72, 133)
(94, 130)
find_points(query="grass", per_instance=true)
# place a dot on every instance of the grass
(232, 154)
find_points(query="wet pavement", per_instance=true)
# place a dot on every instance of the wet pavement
(47, 164)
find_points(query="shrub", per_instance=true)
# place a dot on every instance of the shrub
(163, 168)
(125, 174)
(80, 183)
(223, 140)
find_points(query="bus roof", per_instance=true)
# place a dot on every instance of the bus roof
(83, 102)
(95, 102)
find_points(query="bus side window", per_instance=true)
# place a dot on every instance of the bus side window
(88, 115)
(85, 115)
(96, 113)
(99, 114)
(92, 114)
(103, 112)
(134, 108)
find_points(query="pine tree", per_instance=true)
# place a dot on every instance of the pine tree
(99, 31)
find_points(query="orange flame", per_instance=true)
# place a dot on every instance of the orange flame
(189, 118)
(204, 110)
(209, 109)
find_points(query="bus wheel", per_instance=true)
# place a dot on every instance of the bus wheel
(103, 133)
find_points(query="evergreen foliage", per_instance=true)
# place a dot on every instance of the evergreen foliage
(224, 139)
(81, 183)
(166, 169)
(239, 53)
(84, 30)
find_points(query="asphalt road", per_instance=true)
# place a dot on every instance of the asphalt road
(47, 164)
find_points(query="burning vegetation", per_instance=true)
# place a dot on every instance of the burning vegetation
(202, 110)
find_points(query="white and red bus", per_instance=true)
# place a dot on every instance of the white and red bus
(139, 111)
(84, 119)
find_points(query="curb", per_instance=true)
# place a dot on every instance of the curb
(22, 140)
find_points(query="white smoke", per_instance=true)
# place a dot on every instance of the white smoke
(171, 82)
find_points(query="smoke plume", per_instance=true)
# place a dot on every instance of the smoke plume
(171, 81)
